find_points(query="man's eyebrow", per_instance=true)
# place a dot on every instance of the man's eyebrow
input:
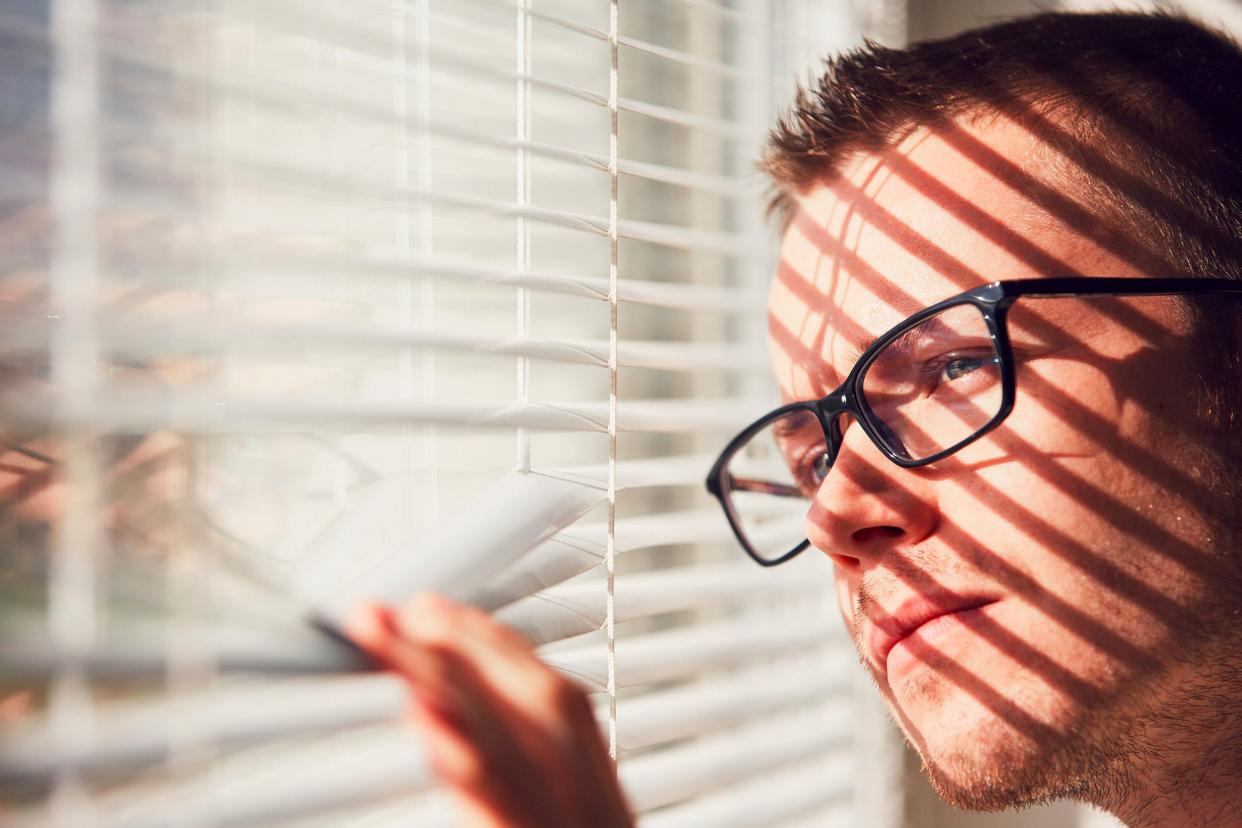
(905, 342)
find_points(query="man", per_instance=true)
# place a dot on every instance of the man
(1030, 500)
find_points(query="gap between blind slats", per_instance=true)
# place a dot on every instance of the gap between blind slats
(698, 298)
(725, 186)
(677, 236)
(304, 783)
(199, 336)
(684, 58)
(687, 652)
(127, 736)
(788, 793)
(713, 762)
(118, 411)
(720, 242)
(674, 55)
(382, 764)
(659, 529)
(717, 9)
(577, 549)
(240, 810)
(665, 470)
(706, 706)
(758, 802)
(287, 97)
(567, 610)
(515, 514)
(136, 648)
(440, 58)
(380, 260)
(311, 26)
(136, 645)
(580, 549)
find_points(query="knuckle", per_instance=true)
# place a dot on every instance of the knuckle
(563, 696)
(498, 632)
(467, 769)
(511, 638)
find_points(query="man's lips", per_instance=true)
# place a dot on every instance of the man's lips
(887, 631)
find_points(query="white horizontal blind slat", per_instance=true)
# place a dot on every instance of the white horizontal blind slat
(364, 42)
(708, 705)
(300, 783)
(682, 653)
(137, 412)
(275, 174)
(713, 762)
(380, 262)
(295, 156)
(197, 336)
(140, 734)
(576, 608)
(810, 787)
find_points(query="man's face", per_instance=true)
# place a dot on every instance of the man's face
(1076, 548)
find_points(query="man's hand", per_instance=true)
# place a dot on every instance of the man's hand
(517, 743)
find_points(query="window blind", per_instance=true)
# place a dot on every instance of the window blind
(302, 303)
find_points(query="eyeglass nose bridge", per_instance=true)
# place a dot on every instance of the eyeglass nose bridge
(829, 409)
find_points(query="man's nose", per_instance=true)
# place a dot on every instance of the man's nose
(867, 506)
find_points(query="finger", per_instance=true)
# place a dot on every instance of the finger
(471, 736)
(478, 789)
(505, 660)
(564, 736)
(40, 497)
(155, 449)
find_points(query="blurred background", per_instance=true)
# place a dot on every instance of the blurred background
(304, 302)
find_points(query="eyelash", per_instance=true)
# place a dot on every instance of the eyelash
(933, 368)
(803, 469)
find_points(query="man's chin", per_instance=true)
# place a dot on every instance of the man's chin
(979, 760)
(1003, 779)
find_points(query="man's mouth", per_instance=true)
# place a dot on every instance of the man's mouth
(887, 631)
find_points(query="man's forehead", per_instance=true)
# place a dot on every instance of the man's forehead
(944, 210)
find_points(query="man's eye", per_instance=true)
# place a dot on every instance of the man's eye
(952, 366)
(961, 366)
(820, 467)
(811, 470)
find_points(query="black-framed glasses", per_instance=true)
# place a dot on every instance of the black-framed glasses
(923, 390)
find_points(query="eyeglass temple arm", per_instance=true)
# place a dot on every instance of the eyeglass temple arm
(779, 489)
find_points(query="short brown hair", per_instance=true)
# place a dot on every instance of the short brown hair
(1147, 109)
(1144, 112)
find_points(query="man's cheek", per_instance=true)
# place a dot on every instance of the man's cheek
(1065, 407)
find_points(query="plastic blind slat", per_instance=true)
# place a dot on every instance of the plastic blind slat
(321, 196)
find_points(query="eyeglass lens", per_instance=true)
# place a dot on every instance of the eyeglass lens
(771, 478)
(930, 388)
(935, 385)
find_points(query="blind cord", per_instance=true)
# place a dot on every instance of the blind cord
(78, 556)
(423, 242)
(613, 249)
(522, 131)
